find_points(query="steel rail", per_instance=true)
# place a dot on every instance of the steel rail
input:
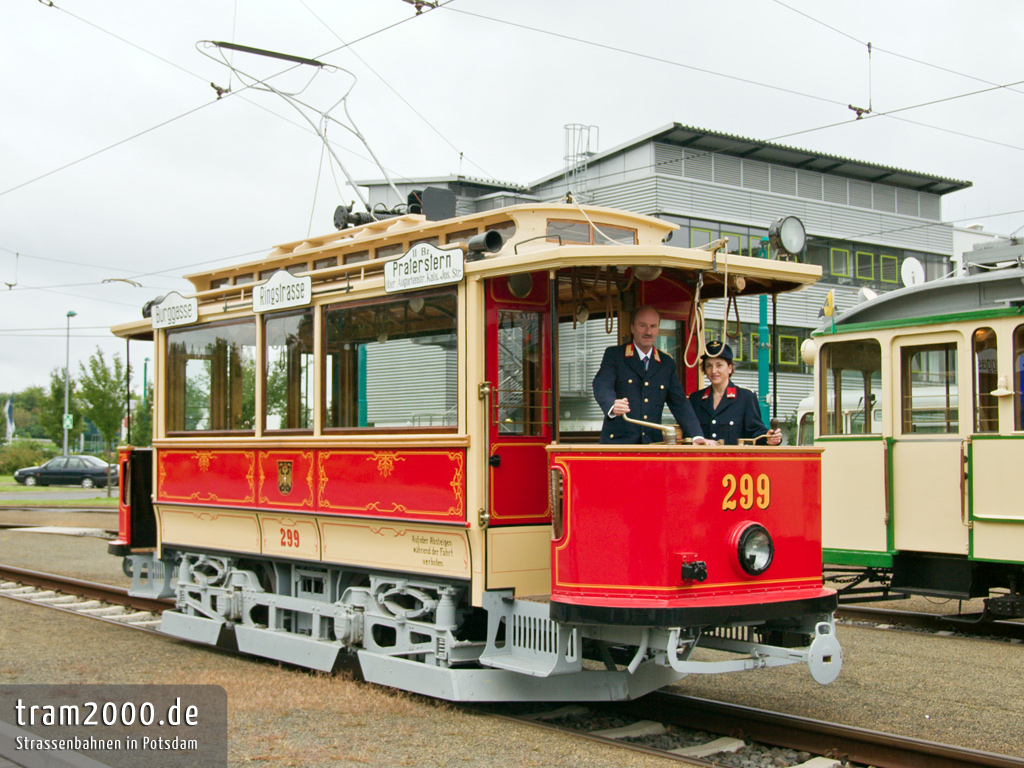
(89, 589)
(859, 745)
(933, 622)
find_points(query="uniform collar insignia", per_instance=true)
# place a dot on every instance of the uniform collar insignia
(707, 394)
(731, 392)
(657, 357)
(629, 349)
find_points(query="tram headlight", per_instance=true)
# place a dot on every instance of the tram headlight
(755, 549)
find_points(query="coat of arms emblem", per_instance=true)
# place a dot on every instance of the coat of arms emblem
(284, 477)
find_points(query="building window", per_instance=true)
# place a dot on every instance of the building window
(890, 268)
(288, 370)
(391, 363)
(789, 350)
(851, 377)
(865, 265)
(929, 397)
(839, 262)
(211, 377)
(986, 379)
(699, 237)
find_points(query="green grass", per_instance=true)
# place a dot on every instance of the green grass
(97, 503)
(9, 486)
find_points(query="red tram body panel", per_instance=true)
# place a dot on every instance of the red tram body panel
(407, 484)
(632, 520)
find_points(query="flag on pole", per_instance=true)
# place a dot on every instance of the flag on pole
(9, 414)
(829, 305)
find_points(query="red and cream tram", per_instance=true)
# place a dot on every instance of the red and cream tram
(383, 441)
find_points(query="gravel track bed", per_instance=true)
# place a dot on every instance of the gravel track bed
(943, 689)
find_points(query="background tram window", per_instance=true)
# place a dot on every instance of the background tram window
(288, 370)
(519, 396)
(986, 405)
(929, 397)
(1018, 377)
(392, 364)
(852, 379)
(211, 377)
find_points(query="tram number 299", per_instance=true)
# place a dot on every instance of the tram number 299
(289, 537)
(746, 491)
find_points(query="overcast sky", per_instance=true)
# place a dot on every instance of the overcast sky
(120, 163)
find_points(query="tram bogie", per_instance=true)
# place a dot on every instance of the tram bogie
(395, 456)
(918, 407)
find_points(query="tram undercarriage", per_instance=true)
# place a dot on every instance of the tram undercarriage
(421, 635)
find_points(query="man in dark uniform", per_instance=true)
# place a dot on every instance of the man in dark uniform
(726, 412)
(638, 379)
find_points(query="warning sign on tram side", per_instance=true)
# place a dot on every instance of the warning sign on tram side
(423, 266)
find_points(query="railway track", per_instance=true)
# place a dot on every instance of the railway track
(702, 732)
(86, 598)
(690, 730)
(931, 622)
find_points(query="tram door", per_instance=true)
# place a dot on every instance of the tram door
(518, 368)
(927, 456)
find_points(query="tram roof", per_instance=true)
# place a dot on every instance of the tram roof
(996, 292)
(529, 249)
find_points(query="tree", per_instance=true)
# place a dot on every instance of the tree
(26, 407)
(51, 411)
(142, 421)
(104, 396)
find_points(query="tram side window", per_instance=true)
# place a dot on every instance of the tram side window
(392, 364)
(519, 396)
(1018, 377)
(288, 371)
(851, 381)
(581, 345)
(211, 377)
(986, 405)
(930, 399)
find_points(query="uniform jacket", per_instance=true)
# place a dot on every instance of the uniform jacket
(622, 375)
(737, 415)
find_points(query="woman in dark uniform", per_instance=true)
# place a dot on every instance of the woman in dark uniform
(728, 413)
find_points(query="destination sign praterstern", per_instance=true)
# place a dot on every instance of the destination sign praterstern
(174, 309)
(422, 267)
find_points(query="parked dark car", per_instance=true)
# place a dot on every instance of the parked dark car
(86, 471)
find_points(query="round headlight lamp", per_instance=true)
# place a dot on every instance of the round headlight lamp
(755, 549)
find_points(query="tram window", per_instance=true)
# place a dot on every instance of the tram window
(852, 378)
(391, 364)
(1018, 377)
(331, 261)
(243, 279)
(580, 349)
(582, 232)
(805, 430)
(461, 236)
(211, 377)
(220, 282)
(986, 405)
(519, 397)
(354, 258)
(388, 251)
(569, 231)
(288, 370)
(929, 399)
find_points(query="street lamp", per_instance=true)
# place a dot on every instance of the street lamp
(67, 381)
